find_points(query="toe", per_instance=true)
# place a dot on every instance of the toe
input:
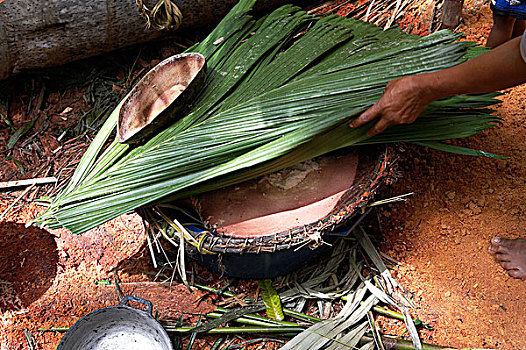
(508, 265)
(499, 257)
(517, 274)
(497, 248)
(496, 240)
(491, 250)
(502, 242)
(494, 246)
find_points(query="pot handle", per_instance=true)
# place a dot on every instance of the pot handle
(148, 303)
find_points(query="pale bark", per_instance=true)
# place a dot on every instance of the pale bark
(451, 13)
(37, 34)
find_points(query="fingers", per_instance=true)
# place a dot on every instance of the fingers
(370, 114)
(380, 126)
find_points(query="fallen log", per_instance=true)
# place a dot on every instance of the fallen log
(451, 13)
(39, 34)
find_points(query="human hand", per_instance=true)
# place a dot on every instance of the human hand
(403, 101)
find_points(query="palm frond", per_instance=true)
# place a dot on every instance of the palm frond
(279, 90)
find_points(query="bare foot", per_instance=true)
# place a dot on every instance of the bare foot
(511, 255)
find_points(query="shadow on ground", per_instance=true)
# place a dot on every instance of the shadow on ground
(28, 265)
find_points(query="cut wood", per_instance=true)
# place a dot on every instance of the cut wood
(28, 182)
(451, 13)
(38, 34)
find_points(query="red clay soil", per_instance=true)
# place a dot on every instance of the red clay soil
(442, 233)
(50, 279)
(440, 236)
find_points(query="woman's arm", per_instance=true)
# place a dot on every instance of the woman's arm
(405, 98)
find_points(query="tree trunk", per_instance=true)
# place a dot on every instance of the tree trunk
(38, 34)
(451, 13)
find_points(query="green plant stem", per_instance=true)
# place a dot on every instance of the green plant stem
(393, 314)
(389, 313)
(400, 344)
(288, 312)
(300, 316)
(54, 329)
(213, 290)
(396, 315)
(254, 318)
(237, 330)
(249, 320)
(394, 343)
(307, 318)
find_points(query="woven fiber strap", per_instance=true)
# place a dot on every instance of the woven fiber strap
(165, 15)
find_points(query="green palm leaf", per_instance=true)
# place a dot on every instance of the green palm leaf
(279, 90)
(271, 300)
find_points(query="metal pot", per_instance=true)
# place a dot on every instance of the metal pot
(117, 327)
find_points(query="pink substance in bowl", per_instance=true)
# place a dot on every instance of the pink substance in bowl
(292, 197)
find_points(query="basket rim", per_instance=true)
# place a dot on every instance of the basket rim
(374, 172)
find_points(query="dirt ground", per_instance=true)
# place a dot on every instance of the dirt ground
(442, 233)
(440, 236)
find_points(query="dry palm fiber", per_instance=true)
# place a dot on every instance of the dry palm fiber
(383, 13)
(279, 90)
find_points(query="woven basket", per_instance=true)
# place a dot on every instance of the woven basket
(375, 169)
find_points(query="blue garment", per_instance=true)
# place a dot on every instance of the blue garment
(513, 8)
